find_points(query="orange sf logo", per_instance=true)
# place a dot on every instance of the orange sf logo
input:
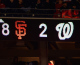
(20, 25)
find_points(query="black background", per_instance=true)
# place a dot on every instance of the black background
(33, 31)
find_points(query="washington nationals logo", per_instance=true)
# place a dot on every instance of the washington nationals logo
(20, 25)
(65, 31)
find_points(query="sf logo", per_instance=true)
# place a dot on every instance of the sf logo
(65, 31)
(21, 31)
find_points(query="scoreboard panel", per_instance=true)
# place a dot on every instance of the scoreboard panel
(39, 29)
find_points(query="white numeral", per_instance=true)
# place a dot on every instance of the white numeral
(5, 27)
(45, 28)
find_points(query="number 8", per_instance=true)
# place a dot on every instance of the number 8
(5, 29)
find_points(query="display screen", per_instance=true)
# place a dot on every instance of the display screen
(39, 29)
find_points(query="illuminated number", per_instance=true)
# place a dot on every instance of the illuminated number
(45, 28)
(67, 32)
(5, 27)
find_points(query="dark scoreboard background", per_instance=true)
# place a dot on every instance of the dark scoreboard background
(33, 29)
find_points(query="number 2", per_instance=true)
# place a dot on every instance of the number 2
(45, 28)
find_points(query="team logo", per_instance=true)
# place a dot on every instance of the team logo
(21, 31)
(65, 31)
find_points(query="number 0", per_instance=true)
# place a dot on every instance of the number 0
(45, 28)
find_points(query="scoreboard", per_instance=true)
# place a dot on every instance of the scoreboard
(40, 29)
